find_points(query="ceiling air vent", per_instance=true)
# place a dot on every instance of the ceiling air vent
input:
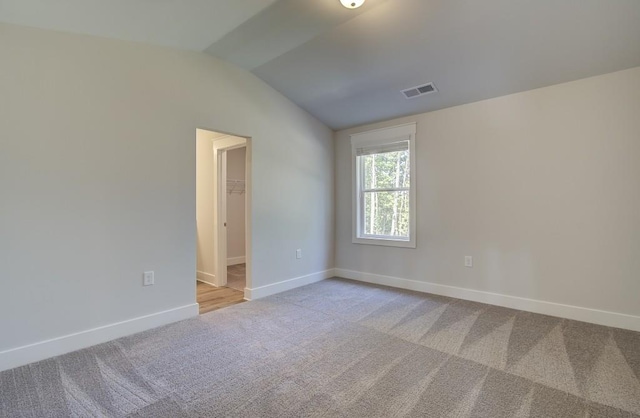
(418, 91)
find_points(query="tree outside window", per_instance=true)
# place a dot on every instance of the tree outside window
(386, 193)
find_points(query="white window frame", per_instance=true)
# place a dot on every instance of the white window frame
(394, 134)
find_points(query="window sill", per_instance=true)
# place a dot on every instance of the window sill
(385, 242)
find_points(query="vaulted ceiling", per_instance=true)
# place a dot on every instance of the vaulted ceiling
(347, 67)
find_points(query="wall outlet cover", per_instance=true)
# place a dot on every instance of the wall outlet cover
(468, 261)
(148, 278)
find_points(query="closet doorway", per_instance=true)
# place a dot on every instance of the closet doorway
(223, 201)
(236, 215)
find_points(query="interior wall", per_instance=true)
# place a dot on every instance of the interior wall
(235, 206)
(540, 187)
(205, 209)
(98, 179)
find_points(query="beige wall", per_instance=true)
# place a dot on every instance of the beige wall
(541, 188)
(205, 209)
(236, 205)
(98, 179)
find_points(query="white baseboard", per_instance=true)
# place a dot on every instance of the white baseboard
(595, 316)
(232, 261)
(207, 283)
(206, 278)
(272, 289)
(54, 347)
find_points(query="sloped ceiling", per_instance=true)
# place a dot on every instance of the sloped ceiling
(186, 24)
(347, 67)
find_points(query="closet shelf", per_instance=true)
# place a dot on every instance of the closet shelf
(235, 186)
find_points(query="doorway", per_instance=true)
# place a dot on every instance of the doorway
(235, 205)
(223, 199)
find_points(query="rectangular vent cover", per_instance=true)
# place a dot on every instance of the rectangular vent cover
(418, 91)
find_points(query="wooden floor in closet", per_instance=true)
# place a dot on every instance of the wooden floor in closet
(211, 298)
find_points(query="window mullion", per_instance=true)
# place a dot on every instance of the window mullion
(362, 203)
(390, 189)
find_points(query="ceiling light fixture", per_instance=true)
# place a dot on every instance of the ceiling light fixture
(352, 4)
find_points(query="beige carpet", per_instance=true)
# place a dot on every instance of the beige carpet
(343, 349)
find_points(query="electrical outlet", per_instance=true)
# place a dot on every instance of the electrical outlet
(468, 261)
(298, 253)
(148, 279)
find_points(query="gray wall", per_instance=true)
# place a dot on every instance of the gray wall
(97, 179)
(541, 188)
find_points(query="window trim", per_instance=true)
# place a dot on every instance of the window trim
(399, 133)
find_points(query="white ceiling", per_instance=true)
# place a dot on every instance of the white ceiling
(348, 67)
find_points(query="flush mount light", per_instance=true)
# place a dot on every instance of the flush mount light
(352, 4)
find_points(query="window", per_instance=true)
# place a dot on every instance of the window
(384, 186)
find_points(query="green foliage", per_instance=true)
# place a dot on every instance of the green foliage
(386, 212)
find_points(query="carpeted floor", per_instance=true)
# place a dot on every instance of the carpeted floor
(341, 348)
